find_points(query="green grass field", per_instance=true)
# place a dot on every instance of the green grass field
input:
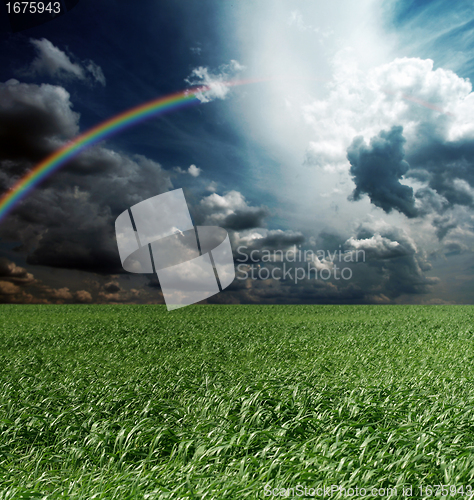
(219, 401)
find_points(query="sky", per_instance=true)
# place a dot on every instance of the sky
(341, 165)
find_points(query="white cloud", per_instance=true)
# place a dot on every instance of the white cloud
(54, 62)
(231, 211)
(382, 247)
(194, 171)
(214, 84)
(225, 205)
(406, 91)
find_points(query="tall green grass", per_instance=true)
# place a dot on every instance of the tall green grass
(131, 402)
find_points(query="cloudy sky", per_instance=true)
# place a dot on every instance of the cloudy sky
(351, 143)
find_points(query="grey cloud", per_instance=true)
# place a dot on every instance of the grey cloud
(68, 221)
(394, 266)
(383, 242)
(77, 224)
(33, 121)
(454, 248)
(430, 201)
(330, 240)
(448, 168)
(443, 225)
(270, 240)
(96, 71)
(278, 239)
(285, 292)
(52, 61)
(377, 169)
(386, 265)
(241, 220)
(230, 211)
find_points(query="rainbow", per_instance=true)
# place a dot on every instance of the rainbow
(94, 135)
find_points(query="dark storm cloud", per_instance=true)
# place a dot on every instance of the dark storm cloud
(33, 121)
(246, 219)
(75, 213)
(377, 169)
(67, 222)
(330, 240)
(447, 167)
(394, 266)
